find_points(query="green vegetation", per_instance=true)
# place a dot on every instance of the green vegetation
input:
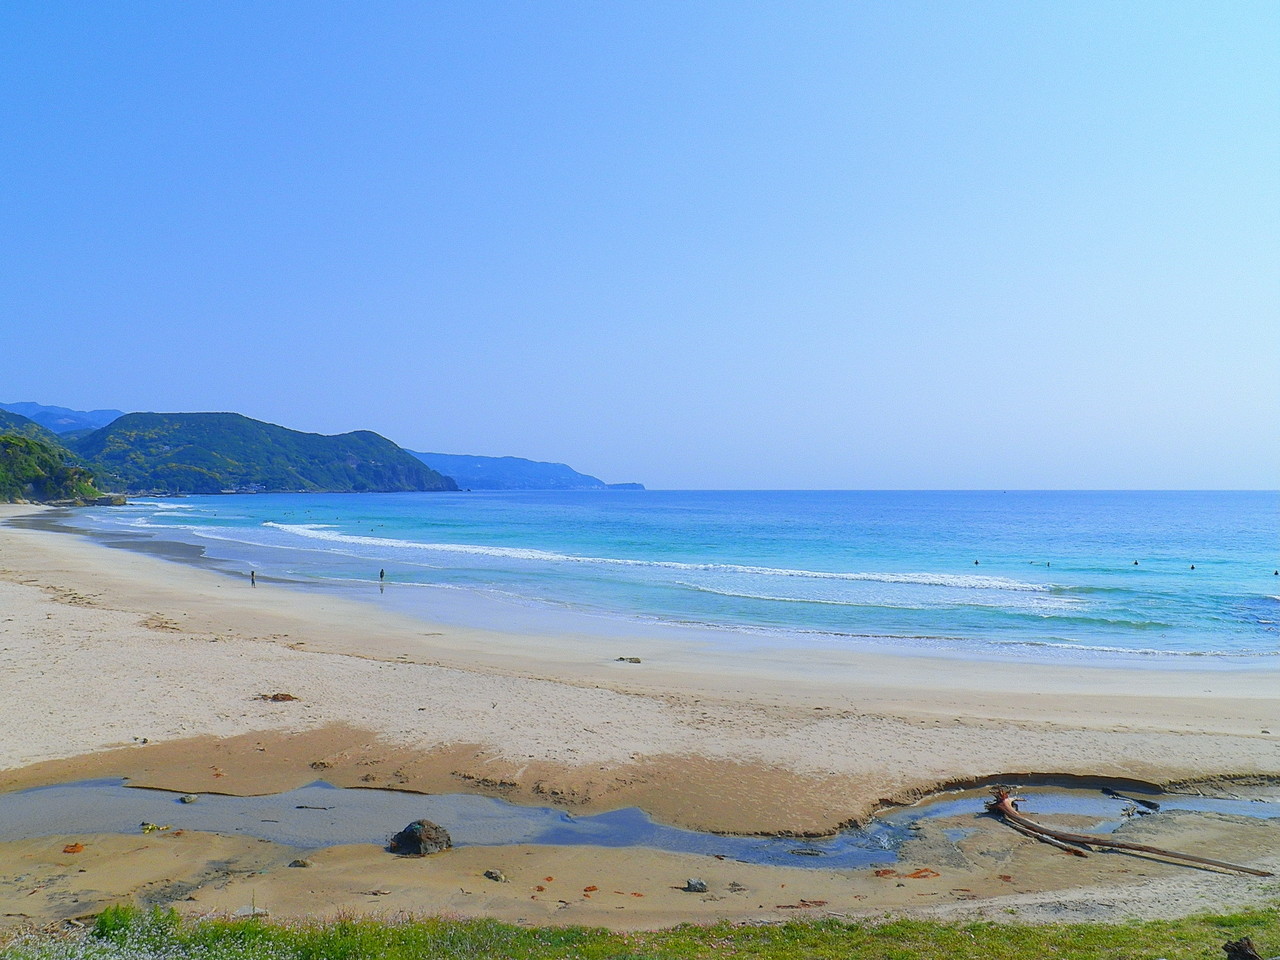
(218, 452)
(35, 466)
(33, 469)
(126, 933)
(16, 423)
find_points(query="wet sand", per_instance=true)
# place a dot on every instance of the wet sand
(103, 649)
(990, 873)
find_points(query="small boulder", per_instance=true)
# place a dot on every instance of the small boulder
(188, 798)
(420, 838)
(301, 863)
(497, 876)
(694, 885)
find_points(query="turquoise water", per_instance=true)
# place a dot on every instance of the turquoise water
(1023, 574)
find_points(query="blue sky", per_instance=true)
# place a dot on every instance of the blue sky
(717, 244)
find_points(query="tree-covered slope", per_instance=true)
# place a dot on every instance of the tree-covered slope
(33, 469)
(216, 452)
(16, 423)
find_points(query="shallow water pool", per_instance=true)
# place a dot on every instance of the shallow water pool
(321, 815)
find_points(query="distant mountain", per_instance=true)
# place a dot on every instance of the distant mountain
(513, 473)
(61, 419)
(227, 452)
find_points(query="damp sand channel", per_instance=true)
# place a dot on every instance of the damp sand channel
(322, 815)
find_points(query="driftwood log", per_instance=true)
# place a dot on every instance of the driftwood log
(1147, 804)
(1242, 949)
(1003, 805)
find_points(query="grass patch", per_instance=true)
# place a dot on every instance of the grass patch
(127, 933)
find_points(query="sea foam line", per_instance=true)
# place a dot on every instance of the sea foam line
(821, 601)
(318, 532)
(1035, 604)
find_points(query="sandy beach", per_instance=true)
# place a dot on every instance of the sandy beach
(118, 663)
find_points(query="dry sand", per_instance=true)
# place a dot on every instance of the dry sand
(102, 649)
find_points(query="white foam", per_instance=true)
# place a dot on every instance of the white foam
(964, 582)
(740, 595)
(1039, 605)
(152, 524)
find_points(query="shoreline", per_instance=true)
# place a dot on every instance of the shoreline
(598, 627)
(715, 740)
(470, 608)
(677, 701)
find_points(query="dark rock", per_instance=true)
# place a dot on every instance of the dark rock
(420, 838)
(628, 660)
(301, 863)
(694, 885)
(497, 876)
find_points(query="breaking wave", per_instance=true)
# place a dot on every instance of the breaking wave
(964, 582)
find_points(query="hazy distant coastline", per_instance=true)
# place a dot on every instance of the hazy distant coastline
(514, 473)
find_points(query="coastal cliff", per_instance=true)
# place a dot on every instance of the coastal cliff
(35, 471)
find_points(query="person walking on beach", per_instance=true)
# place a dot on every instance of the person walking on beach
(253, 578)
(382, 575)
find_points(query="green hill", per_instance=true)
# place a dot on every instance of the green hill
(36, 470)
(221, 452)
(16, 423)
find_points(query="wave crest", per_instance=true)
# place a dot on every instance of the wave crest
(957, 581)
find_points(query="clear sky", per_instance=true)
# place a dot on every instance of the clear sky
(693, 244)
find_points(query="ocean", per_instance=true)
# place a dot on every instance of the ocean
(1178, 577)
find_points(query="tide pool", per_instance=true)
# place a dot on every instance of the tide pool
(321, 815)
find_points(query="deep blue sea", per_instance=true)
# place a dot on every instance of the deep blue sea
(1037, 575)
